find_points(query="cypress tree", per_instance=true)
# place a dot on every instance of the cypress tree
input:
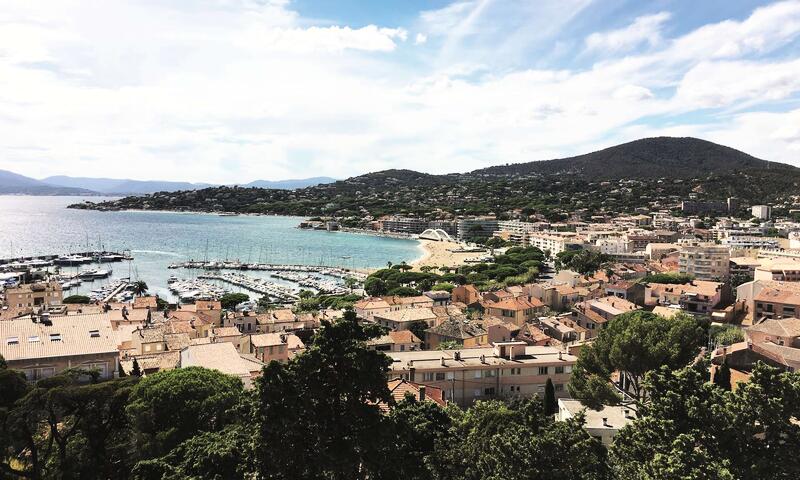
(549, 398)
(723, 376)
(120, 371)
(136, 371)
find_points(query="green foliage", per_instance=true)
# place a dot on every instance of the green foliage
(329, 427)
(550, 406)
(585, 262)
(169, 407)
(139, 287)
(404, 292)
(670, 278)
(77, 299)
(633, 344)
(418, 328)
(136, 370)
(726, 334)
(443, 287)
(692, 429)
(449, 345)
(723, 376)
(230, 300)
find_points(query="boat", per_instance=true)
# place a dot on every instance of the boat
(172, 279)
(71, 260)
(94, 273)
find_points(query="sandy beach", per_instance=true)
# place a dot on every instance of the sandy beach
(437, 254)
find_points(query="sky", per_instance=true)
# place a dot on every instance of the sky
(230, 91)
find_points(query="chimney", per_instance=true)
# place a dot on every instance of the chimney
(422, 393)
(443, 364)
(559, 355)
(483, 358)
(605, 422)
(627, 413)
(457, 355)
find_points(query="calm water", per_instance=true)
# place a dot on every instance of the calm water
(42, 225)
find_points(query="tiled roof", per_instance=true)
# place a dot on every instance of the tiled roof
(72, 335)
(398, 388)
(459, 329)
(227, 332)
(266, 340)
(784, 327)
(517, 304)
(407, 315)
(404, 336)
(220, 356)
(144, 302)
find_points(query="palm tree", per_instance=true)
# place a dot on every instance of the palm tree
(139, 288)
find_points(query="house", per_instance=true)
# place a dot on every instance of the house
(227, 334)
(498, 329)
(23, 299)
(224, 358)
(396, 341)
(506, 369)
(465, 333)
(211, 310)
(466, 294)
(399, 303)
(440, 298)
(518, 310)
(402, 319)
(400, 388)
(43, 346)
(785, 271)
(594, 314)
(783, 331)
(769, 298)
(533, 335)
(269, 347)
(696, 296)
(367, 308)
(632, 291)
(554, 328)
(603, 424)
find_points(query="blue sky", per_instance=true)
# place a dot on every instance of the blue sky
(235, 90)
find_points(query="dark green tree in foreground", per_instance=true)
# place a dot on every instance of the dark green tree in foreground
(318, 414)
(139, 288)
(692, 429)
(170, 407)
(230, 300)
(633, 344)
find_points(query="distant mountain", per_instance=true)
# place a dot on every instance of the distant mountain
(12, 183)
(122, 186)
(290, 184)
(667, 157)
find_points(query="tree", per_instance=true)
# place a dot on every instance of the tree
(136, 371)
(550, 406)
(230, 300)
(418, 328)
(722, 377)
(690, 428)
(375, 287)
(326, 428)
(350, 283)
(585, 262)
(121, 371)
(139, 288)
(449, 345)
(77, 299)
(633, 344)
(443, 287)
(169, 407)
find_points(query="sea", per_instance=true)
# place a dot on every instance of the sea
(41, 225)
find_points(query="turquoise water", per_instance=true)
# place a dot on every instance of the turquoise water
(42, 225)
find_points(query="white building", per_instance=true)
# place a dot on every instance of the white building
(762, 212)
(704, 261)
(603, 424)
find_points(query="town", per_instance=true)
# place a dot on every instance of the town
(514, 310)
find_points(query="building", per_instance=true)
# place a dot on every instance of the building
(602, 425)
(555, 242)
(476, 226)
(402, 319)
(368, 307)
(697, 296)
(396, 341)
(704, 261)
(518, 310)
(783, 331)
(770, 299)
(465, 333)
(406, 225)
(45, 346)
(594, 314)
(25, 298)
(269, 347)
(782, 271)
(399, 389)
(224, 358)
(761, 212)
(505, 370)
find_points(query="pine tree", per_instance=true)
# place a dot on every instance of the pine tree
(136, 371)
(549, 398)
(722, 377)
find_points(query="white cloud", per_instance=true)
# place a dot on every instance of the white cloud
(645, 29)
(231, 91)
(420, 39)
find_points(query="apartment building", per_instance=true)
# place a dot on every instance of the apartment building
(24, 298)
(504, 370)
(593, 315)
(782, 271)
(704, 261)
(43, 346)
(697, 296)
(407, 225)
(403, 319)
(516, 309)
(770, 299)
(466, 226)
(761, 212)
(555, 242)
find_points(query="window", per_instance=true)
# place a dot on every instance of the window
(55, 337)
(12, 341)
(94, 333)
(542, 370)
(488, 373)
(488, 391)
(439, 375)
(568, 369)
(33, 339)
(558, 387)
(559, 369)
(428, 376)
(477, 374)
(476, 392)
(516, 371)
(451, 375)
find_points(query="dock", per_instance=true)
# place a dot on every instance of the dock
(261, 287)
(331, 271)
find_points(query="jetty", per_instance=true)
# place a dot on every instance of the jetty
(263, 287)
(65, 259)
(330, 271)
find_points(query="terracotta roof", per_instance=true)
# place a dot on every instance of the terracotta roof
(371, 303)
(267, 340)
(517, 304)
(773, 295)
(398, 388)
(156, 361)
(784, 327)
(404, 336)
(72, 335)
(458, 329)
(227, 332)
(407, 315)
(144, 302)
(220, 356)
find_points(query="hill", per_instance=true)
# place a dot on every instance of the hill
(646, 158)
(290, 184)
(655, 174)
(121, 186)
(12, 183)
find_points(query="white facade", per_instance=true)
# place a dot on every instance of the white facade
(762, 212)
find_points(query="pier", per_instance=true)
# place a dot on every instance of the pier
(337, 272)
(66, 259)
(262, 287)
